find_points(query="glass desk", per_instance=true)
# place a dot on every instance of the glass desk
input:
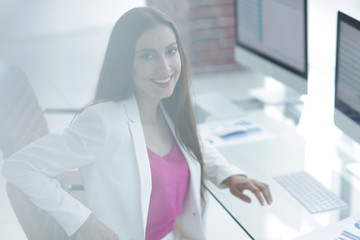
(302, 141)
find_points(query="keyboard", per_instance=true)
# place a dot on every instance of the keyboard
(310, 193)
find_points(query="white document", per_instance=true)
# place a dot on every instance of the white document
(232, 131)
(347, 229)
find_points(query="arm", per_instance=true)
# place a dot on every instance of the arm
(32, 169)
(223, 174)
(216, 168)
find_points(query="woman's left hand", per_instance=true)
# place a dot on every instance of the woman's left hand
(239, 183)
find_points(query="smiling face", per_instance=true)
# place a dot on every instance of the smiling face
(157, 63)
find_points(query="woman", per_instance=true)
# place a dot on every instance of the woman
(136, 146)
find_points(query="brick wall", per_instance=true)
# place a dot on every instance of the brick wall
(207, 29)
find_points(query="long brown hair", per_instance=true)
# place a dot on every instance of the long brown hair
(116, 83)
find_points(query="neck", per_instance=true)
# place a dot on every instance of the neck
(149, 110)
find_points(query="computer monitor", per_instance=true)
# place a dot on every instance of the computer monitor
(271, 38)
(347, 76)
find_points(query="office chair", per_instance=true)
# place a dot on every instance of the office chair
(22, 122)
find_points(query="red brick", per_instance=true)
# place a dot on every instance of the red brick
(205, 12)
(207, 27)
(227, 9)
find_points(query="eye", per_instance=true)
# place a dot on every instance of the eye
(147, 56)
(172, 51)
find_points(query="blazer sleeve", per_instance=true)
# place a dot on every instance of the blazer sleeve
(216, 168)
(32, 169)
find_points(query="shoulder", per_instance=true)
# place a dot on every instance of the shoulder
(112, 112)
(105, 109)
(105, 112)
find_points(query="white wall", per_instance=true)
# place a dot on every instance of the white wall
(59, 44)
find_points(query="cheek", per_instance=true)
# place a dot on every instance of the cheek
(140, 72)
(177, 65)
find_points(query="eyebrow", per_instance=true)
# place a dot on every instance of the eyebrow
(153, 50)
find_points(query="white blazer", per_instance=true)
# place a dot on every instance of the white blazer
(106, 142)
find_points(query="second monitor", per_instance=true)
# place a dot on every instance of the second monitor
(271, 38)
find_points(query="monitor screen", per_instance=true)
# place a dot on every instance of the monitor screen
(271, 37)
(347, 76)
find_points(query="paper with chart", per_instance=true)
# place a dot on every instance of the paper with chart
(232, 131)
(347, 229)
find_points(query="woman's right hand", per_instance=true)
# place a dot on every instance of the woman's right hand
(93, 229)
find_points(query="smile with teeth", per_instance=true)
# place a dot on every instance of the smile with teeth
(163, 80)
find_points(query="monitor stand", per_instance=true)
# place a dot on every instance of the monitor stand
(275, 97)
(275, 93)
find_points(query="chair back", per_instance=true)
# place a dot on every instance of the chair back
(22, 122)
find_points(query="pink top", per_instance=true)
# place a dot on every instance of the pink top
(169, 182)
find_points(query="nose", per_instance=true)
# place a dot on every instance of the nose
(163, 65)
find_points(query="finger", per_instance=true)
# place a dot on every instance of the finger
(238, 193)
(255, 190)
(115, 237)
(264, 188)
(109, 235)
(104, 236)
(266, 193)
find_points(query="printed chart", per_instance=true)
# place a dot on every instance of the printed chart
(347, 229)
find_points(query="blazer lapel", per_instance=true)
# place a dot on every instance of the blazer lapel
(194, 166)
(142, 158)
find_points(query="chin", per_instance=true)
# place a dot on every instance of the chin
(167, 95)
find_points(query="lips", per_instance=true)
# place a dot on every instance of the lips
(162, 81)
